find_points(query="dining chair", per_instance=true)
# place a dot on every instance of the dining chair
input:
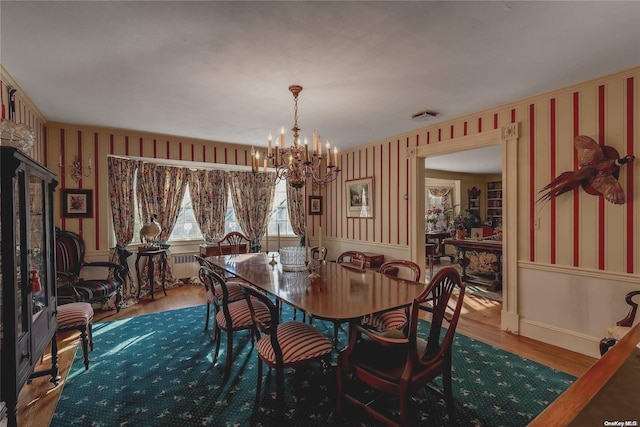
(352, 259)
(233, 287)
(284, 345)
(398, 364)
(232, 317)
(398, 318)
(622, 327)
(236, 242)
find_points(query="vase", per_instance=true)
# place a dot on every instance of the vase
(431, 226)
(461, 234)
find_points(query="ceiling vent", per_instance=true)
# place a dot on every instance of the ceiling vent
(424, 115)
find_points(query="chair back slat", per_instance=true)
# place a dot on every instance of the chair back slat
(436, 299)
(236, 242)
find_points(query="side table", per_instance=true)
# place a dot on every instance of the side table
(151, 254)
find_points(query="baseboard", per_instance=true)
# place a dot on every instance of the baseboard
(569, 340)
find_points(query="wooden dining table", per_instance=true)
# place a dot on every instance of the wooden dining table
(340, 293)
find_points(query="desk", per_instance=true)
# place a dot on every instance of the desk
(491, 246)
(584, 398)
(340, 294)
(162, 254)
(438, 236)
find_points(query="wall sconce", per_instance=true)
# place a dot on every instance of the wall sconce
(76, 170)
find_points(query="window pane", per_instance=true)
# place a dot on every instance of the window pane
(186, 227)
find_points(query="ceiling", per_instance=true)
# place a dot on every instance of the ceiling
(221, 70)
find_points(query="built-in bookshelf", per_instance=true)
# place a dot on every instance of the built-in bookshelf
(474, 201)
(494, 203)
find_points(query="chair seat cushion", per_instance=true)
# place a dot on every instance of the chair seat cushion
(241, 314)
(89, 290)
(617, 332)
(233, 289)
(298, 341)
(74, 314)
(389, 320)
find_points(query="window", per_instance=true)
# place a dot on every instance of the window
(187, 229)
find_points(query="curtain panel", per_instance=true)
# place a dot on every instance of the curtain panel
(121, 180)
(209, 189)
(295, 206)
(252, 203)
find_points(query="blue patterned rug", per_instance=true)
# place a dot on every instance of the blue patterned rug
(157, 370)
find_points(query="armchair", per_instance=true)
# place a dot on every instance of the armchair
(70, 264)
(399, 364)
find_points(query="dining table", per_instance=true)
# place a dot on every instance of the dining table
(336, 292)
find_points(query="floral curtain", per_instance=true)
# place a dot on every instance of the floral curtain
(121, 178)
(252, 202)
(160, 191)
(295, 206)
(209, 196)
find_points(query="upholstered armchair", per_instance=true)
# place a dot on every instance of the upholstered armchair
(70, 265)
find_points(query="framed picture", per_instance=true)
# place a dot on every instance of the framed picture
(315, 205)
(359, 197)
(77, 203)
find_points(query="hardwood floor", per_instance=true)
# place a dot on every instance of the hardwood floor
(481, 320)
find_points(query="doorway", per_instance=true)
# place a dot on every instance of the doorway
(467, 180)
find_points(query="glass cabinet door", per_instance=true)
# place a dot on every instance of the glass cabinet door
(37, 249)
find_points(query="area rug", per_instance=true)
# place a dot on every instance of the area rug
(157, 370)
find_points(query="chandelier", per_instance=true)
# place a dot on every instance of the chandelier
(299, 162)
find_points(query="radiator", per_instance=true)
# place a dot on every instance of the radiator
(184, 266)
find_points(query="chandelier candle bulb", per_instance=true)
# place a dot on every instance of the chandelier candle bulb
(269, 144)
(282, 138)
(335, 156)
(306, 150)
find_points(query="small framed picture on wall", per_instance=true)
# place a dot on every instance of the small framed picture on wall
(77, 203)
(315, 205)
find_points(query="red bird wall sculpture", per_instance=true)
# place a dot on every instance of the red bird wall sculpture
(598, 172)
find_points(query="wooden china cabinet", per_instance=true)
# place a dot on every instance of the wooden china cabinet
(27, 275)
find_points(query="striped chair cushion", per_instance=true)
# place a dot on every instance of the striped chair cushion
(390, 320)
(90, 290)
(241, 315)
(234, 290)
(74, 315)
(299, 341)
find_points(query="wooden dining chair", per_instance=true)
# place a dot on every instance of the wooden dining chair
(233, 287)
(236, 242)
(232, 317)
(398, 318)
(284, 345)
(622, 327)
(398, 364)
(352, 259)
